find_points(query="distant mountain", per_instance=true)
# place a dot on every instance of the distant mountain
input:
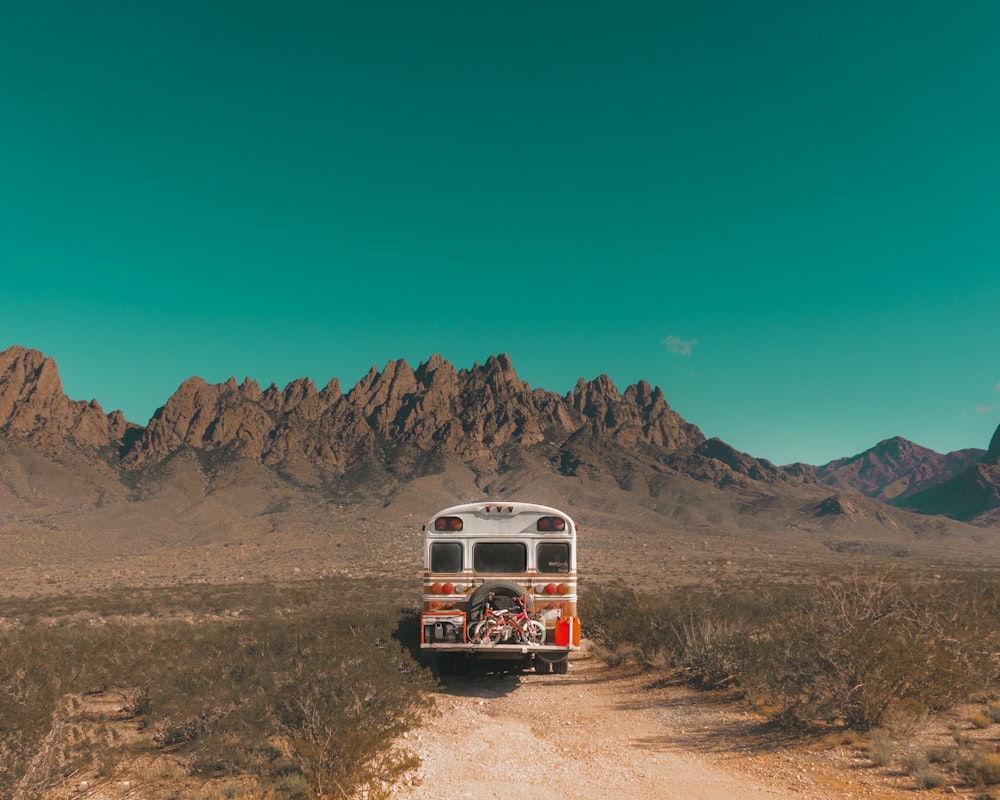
(972, 495)
(895, 469)
(963, 485)
(224, 462)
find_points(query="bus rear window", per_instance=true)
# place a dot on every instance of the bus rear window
(499, 557)
(446, 557)
(553, 556)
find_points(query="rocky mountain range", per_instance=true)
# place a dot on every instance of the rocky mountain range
(217, 458)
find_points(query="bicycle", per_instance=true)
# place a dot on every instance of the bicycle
(502, 625)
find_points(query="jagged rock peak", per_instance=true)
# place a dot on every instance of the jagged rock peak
(27, 376)
(643, 394)
(499, 370)
(298, 390)
(33, 405)
(250, 389)
(436, 369)
(376, 389)
(602, 384)
(331, 391)
(206, 415)
(592, 398)
(640, 416)
(365, 384)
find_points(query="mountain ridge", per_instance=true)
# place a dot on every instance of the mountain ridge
(219, 462)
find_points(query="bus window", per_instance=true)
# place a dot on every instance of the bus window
(446, 557)
(500, 557)
(553, 556)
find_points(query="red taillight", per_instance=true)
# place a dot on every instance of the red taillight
(448, 524)
(448, 588)
(548, 524)
(551, 588)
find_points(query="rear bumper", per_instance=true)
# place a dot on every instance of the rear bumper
(508, 649)
(445, 631)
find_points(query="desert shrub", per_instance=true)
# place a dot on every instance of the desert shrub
(709, 649)
(929, 778)
(980, 720)
(881, 747)
(982, 769)
(915, 761)
(860, 649)
(851, 650)
(697, 632)
(615, 617)
(216, 692)
(337, 690)
(923, 766)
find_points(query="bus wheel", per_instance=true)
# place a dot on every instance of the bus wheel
(542, 667)
(560, 667)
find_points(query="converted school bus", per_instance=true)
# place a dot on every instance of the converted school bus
(487, 561)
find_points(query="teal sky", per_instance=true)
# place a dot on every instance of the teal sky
(787, 215)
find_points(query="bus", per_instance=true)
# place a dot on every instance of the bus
(488, 565)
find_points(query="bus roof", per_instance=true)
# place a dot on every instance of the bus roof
(496, 507)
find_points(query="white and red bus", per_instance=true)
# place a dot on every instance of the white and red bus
(490, 559)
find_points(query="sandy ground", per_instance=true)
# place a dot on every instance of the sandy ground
(599, 733)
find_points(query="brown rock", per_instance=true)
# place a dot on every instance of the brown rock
(33, 405)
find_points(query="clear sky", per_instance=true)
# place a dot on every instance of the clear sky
(785, 214)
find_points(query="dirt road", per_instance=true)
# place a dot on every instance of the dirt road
(599, 733)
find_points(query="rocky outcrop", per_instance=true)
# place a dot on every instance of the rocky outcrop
(34, 407)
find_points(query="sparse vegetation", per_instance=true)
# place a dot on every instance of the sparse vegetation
(983, 769)
(980, 720)
(295, 690)
(869, 652)
(854, 649)
(881, 747)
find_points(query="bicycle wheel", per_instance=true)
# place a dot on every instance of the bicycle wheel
(479, 631)
(493, 631)
(534, 631)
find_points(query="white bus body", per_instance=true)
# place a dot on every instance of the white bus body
(509, 551)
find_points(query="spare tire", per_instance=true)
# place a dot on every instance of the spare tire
(501, 589)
